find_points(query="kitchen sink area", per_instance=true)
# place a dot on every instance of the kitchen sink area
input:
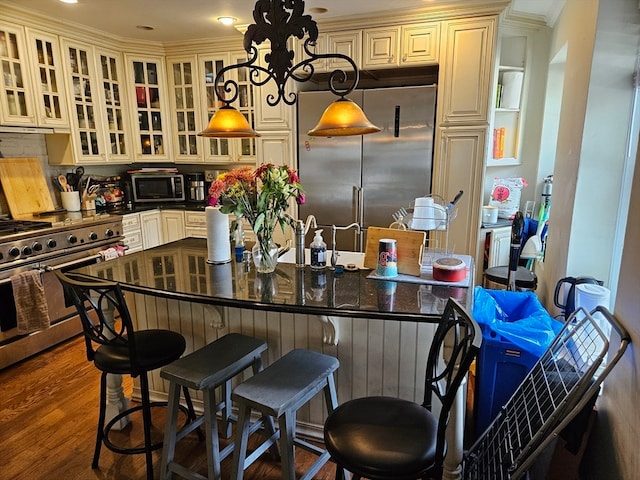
(345, 258)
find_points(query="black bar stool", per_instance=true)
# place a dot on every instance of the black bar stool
(278, 392)
(206, 369)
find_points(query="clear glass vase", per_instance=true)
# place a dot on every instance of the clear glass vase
(265, 263)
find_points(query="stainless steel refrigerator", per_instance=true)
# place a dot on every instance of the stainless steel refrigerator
(366, 178)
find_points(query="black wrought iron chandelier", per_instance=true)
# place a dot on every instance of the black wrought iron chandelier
(277, 21)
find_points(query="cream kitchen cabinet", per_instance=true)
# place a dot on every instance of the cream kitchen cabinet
(115, 106)
(276, 117)
(465, 71)
(410, 45)
(347, 43)
(227, 150)
(16, 91)
(132, 232)
(195, 224)
(186, 108)
(148, 94)
(48, 79)
(420, 44)
(381, 47)
(173, 227)
(494, 246)
(100, 130)
(461, 151)
(151, 227)
(320, 47)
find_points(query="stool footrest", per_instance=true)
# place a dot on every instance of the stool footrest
(184, 472)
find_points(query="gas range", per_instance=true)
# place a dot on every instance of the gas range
(28, 243)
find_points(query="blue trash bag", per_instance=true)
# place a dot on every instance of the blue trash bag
(519, 317)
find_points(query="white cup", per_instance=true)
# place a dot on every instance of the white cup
(489, 214)
(70, 201)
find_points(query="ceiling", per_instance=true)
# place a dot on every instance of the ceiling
(179, 20)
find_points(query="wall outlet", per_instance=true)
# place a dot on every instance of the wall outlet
(210, 175)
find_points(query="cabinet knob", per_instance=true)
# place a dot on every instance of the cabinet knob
(404, 57)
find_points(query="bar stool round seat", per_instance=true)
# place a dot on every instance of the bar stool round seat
(210, 367)
(525, 278)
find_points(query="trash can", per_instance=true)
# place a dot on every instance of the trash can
(516, 330)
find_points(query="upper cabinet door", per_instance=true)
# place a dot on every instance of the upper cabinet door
(147, 80)
(420, 44)
(16, 93)
(381, 47)
(346, 43)
(466, 69)
(87, 129)
(114, 106)
(185, 109)
(228, 150)
(48, 79)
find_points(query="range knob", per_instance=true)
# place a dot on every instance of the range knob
(72, 239)
(14, 252)
(109, 232)
(37, 247)
(26, 251)
(93, 236)
(51, 243)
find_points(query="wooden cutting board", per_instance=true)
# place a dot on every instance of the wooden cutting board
(410, 245)
(25, 186)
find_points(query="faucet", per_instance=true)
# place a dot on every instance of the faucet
(301, 229)
(334, 251)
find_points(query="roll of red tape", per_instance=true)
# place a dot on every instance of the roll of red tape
(449, 269)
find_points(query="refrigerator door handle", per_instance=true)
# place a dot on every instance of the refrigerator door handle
(396, 123)
(360, 218)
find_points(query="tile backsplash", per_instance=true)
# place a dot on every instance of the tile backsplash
(34, 145)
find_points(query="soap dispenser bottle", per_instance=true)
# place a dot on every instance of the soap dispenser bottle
(318, 252)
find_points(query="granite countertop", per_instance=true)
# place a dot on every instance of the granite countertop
(170, 271)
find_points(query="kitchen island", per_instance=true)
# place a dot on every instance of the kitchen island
(380, 331)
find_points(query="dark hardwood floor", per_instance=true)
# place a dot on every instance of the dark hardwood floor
(48, 418)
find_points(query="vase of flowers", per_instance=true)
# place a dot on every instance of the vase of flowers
(261, 197)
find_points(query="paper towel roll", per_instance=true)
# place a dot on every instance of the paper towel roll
(221, 278)
(218, 243)
(511, 89)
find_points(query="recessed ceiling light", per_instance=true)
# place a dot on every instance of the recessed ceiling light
(145, 27)
(227, 20)
(69, 1)
(318, 10)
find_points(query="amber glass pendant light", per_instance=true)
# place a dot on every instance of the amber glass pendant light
(342, 118)
(228, 122)
(277, 21)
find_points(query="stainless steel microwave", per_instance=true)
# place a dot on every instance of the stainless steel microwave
(157, 187)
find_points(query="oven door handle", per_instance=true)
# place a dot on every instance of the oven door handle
(89, 260)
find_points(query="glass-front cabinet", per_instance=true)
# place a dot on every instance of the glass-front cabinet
(16, 96)
(114, 106)
(84, 104)
(185, 109)
(149, 97)
(48, 79)
(228, 150)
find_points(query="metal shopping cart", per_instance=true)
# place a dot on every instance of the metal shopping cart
(557, 388)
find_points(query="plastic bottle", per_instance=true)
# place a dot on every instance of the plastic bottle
(239, 242)
(318, 252)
